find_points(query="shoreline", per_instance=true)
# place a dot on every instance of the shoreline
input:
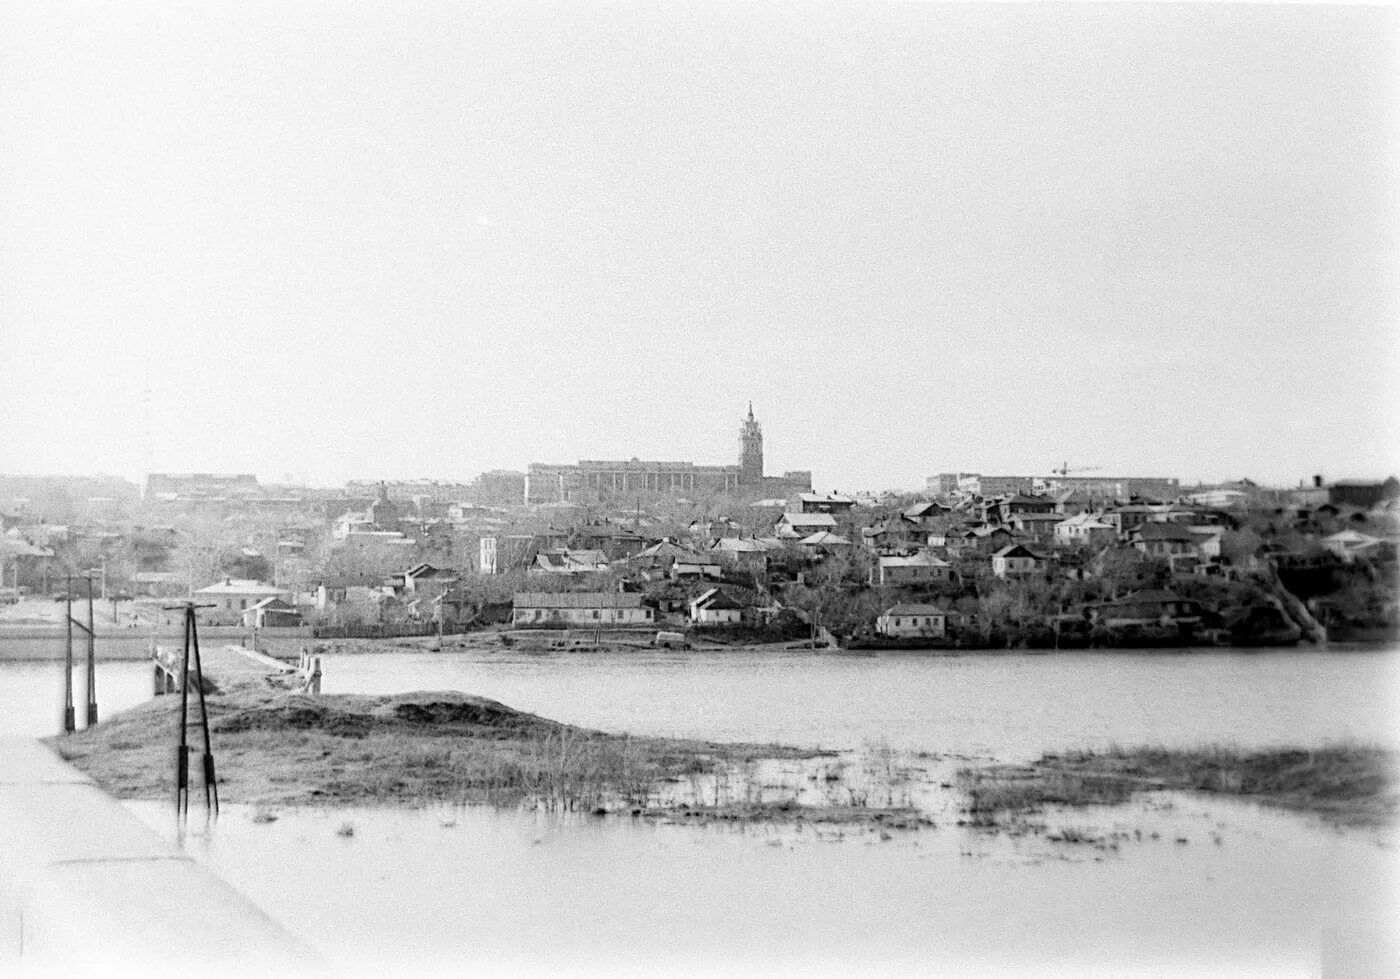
(135, 649)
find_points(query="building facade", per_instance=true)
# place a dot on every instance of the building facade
(1096, 487)
(595, 479)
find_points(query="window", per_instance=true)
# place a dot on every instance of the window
(243, 603)
(595, 613)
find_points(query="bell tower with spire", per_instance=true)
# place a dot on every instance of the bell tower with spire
(751, 451)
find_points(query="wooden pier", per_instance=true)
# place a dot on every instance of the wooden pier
(231, 661)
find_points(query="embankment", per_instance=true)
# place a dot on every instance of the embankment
(276, 746)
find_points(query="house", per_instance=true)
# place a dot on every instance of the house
(928, 516)
(232, 597)
(1016, 561)
(269, 612)
(1128, 516)
(988, 539)
(562, 560)
(665, 554)
(1148, 607)
(834, 503)
(823, 543)
(909, 620)
(1208, 539)
(1073, 502)
(1037, 526)
(420, 574)
(955, 539)
(1348, 545)
(1172, 543)
(157, 584)
(893, 532)
(742, 553)
(362, 604)
(1219, 498)
(1020, 503)
(614, 541)
(332, 591)
(587, 609)
(697, 567)
(715, 607)
(1084, 530)
(795, 526)
(707, 530)
(917, 569)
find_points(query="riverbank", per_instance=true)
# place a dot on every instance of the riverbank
(39, 645)
(1346, 784)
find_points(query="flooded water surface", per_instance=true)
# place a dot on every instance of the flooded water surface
(1007, 706)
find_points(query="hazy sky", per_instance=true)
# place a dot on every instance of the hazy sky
(429, 239)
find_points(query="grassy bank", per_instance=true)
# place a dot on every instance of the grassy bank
(275, 746)
(1347, 784)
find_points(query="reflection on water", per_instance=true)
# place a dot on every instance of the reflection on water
(1220, 886)
(31, 694)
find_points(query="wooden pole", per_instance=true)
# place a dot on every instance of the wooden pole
(69, 721)
(182, 752)
(91, 660)
(210, 786)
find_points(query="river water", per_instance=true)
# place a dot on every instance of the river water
(1169, 884)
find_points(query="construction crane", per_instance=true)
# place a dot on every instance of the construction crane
(1065, 469)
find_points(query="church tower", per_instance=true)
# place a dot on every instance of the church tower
(751, 451)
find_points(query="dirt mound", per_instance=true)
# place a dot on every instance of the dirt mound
(451, 708)
(347, 715)
(300, 712)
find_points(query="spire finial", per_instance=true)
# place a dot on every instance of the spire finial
(750, 411)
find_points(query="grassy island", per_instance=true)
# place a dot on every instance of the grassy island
(274, 746)
(1346, 784)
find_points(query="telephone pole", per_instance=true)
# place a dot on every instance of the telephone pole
(182, 751)
(90, 627)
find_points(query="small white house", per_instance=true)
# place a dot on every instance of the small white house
(1350, 544)
(232, 597)
(271, 612)
(1015, 561)
(588, 609)
(714, 607)
(910, 620)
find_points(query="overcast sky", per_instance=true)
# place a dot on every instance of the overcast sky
(413, 239)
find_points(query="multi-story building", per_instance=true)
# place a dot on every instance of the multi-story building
(1096, 487)
(169, 487)
(1116, 487)
(593, 479)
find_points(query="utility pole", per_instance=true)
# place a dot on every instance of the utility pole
(182, 752)
(92, 654)
(69, 722)
(90, 627)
